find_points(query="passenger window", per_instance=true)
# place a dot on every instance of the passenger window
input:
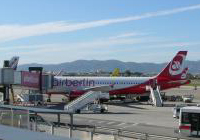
(185, 117)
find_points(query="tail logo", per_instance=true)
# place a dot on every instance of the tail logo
(176, 66)
(183, 76)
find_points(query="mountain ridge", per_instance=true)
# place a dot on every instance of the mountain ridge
(109, 65)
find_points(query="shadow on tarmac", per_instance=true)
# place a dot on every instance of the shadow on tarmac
(129, 105)
(107, 113)
(59, 106)
(168, 105)
(120, 113)
(174, 104)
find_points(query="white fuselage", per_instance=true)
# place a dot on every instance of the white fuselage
(82, 83)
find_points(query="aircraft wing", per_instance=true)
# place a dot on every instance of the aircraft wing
(106, 88)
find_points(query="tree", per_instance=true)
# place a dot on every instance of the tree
(190, 76)
(137, 74)
(116, 72)
(127, 73)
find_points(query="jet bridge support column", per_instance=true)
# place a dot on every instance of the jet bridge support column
(49, 98)
(5, 87)
(71, 125)
(6, 94)
(7, 79)
(58, 115)
(5, 91)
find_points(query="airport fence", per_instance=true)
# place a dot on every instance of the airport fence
(15, 118)
(26, 120)
(102, 133)
(22, 119)
(119, 134)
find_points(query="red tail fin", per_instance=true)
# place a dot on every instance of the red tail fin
(175, 70)
(184, 73)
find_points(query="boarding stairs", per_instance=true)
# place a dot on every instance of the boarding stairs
(156, 96)
(85, 99)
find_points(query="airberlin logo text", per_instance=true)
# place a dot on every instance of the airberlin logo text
(73, 83)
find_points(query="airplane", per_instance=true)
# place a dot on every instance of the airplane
(173, 75)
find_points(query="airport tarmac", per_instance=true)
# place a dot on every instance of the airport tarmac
(185, 90)
(136, 116)
(133, 116)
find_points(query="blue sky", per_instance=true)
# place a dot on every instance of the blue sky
(56, 31)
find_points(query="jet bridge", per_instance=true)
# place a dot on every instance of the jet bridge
(24, 79)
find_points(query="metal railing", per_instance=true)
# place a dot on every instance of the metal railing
(119, 134)
(23, 119)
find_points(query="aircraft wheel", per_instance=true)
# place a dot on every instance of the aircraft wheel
(39, 104)
(143, 98)
(78, 111)
(48, 100)
(102, 110)
(19, 100)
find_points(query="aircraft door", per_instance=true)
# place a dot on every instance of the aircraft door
(153, 83)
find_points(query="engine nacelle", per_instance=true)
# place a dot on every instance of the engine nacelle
(76, 93)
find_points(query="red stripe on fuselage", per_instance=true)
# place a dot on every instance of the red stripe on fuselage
(136, 89)
(184, 127)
